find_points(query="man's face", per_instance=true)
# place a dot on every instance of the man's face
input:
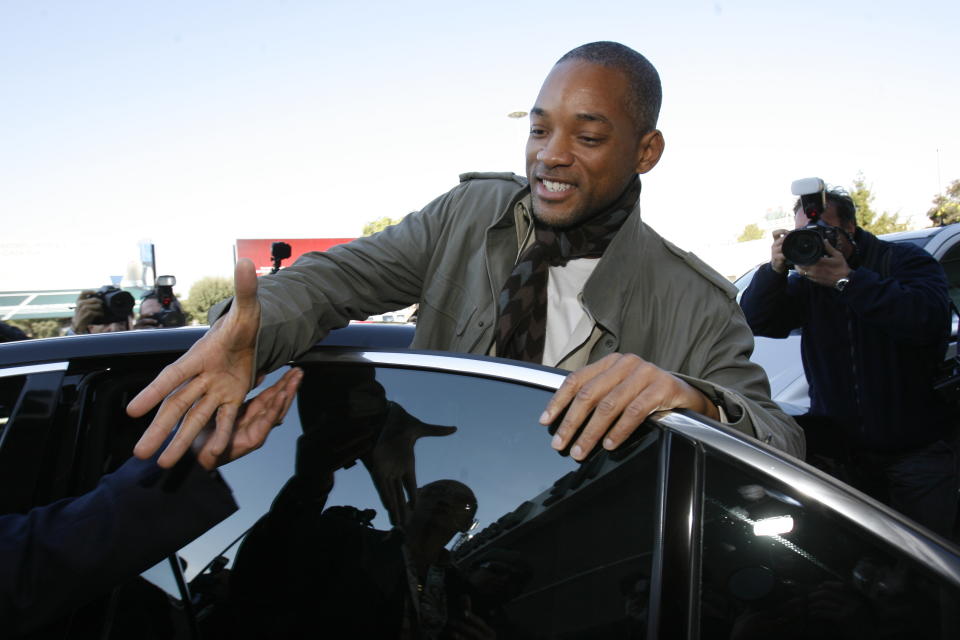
(583, 148)
(832, 218)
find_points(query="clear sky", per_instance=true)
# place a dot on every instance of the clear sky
(196, 123)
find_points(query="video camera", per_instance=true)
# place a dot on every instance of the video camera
(168, 316)
(117, 304)
(805, 246)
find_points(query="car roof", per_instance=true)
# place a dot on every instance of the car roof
(160, 341)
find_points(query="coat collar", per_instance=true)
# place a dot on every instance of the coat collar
(612, 280)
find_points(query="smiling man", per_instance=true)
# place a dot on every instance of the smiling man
(558, 268)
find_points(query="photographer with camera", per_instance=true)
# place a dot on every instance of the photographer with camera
(160, 309)
(876, 320)
(110, 309)
(105, 310)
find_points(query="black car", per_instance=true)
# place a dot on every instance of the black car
(689, 530)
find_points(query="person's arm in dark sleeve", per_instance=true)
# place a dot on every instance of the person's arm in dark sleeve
(772, 303)
(912, 305)
(63, 554)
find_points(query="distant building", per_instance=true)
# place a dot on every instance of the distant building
(258, 249)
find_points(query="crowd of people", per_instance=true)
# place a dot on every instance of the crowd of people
(559, 268)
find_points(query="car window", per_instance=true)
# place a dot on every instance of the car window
(10, 387)
(777, 564)
(548, 546)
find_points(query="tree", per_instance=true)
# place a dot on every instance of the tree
(750, 232)
(946, 208)
(205, 293)
(379, 225)
(867, 218)
(40, 328)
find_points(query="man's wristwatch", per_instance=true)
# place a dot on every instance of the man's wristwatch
(841, 284)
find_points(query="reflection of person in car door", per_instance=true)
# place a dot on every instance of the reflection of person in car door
(302, 569)
(875, 318)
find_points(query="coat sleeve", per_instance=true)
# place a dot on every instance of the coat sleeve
(724, 373)
(912, 304)
(61, 555)
(325, 290)
(773, 303)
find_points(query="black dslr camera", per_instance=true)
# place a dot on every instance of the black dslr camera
(805, 246)
(168, 316)
(117, 304)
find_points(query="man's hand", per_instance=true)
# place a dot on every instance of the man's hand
(621, 390)
(213, 376)
(777, 260)
(254, 421)
(828, 269)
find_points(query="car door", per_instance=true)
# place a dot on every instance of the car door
(783, 550)
(554, 548)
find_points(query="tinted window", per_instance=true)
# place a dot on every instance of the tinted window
(10, 387)
(778, 564)
(556, 547)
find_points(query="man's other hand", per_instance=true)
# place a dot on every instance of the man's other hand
(254, 422)
(212, 377)
(777, 260)
(621, 390)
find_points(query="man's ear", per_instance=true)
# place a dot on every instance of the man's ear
(649, 150)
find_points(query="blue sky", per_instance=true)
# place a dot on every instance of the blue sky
(196, 123)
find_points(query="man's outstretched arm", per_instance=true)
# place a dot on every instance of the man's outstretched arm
(212, 378)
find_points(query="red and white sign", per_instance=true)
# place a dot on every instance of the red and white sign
(258, 250)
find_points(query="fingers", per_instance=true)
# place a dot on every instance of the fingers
(192, 424)
(572, 385)
(592, 391)
(629, 392)
(615, 400)
(169, 379)
(226, 416)
(257, 418)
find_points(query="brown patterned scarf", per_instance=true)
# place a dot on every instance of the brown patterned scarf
(522, 318)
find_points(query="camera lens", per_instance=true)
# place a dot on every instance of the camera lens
(803, 246)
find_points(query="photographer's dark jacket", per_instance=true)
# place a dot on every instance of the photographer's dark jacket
(872, 352)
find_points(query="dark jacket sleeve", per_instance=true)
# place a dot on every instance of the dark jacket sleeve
(773, 303)
(60, 555)
(912, 305)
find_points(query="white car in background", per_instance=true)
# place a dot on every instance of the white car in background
(780, 358)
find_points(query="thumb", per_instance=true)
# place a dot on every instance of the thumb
(437, 430)
(245, 287)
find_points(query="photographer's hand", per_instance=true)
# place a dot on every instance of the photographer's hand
(89, 311)
(146, 322)
(828, 269)
(777, 260)
(214, 376)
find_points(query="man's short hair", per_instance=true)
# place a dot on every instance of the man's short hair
(846, 209)
(646, 93)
